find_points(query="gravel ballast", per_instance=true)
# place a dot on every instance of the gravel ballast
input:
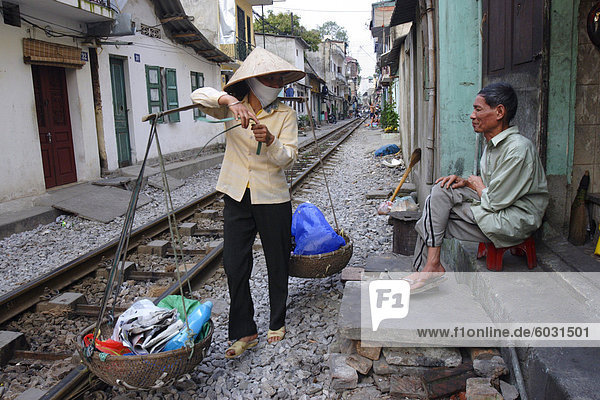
(295, 368)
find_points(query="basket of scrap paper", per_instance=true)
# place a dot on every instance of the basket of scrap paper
(143, 372)
(322, 265)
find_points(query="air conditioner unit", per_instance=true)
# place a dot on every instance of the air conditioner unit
(122, 25)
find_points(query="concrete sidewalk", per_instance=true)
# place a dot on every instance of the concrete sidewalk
(574, 287)
(27, 213)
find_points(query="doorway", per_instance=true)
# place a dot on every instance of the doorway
(117, 78)
(54, 125)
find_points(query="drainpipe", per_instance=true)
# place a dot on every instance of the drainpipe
(427, 19)
(98, 108)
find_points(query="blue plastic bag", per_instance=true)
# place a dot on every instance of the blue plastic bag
(312, 232)
(387, 149)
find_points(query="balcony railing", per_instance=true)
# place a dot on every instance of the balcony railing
(105, 3)
(95, 10)
(239, 50)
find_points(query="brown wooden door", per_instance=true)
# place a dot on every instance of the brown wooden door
(54, 123)
(514, 52)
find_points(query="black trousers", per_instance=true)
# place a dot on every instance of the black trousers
(273, 222)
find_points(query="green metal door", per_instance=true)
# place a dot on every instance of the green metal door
(117, 78)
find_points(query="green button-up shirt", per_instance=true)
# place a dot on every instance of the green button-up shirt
(516, 195)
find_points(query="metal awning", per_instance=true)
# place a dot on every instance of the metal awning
(405, 11)
(391, 58)
(181, 30)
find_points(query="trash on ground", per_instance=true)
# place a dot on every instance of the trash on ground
(312, 232)
(385, 207)
(406, 203)
(387, 149)
(393, 163)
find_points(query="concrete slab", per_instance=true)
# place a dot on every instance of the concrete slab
(352, 274)
(187, 228)
(9, 342)
(156, 181)
(208, 214)
(183, 169)
(98, 203)
(379, 194)
(63, 302)
(126, 182)
(134, 171)
(20, 221)
(127, 268)
(32, 394)
(549, 372)
(449, 305)
(541, 296)
(423, 356)
(156, 247)
(391, 262)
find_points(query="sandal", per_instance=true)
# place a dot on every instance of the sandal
(279, 334)
(240, 346)
(424, 285)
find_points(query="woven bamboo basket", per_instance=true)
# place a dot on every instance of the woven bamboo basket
(143, 372)
(321, 265)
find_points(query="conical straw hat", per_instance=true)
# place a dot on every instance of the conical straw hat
(262, 62)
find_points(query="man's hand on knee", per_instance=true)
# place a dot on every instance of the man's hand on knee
(451, 180)
(476, 183)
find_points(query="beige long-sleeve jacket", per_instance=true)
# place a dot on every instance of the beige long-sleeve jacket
(242, 167)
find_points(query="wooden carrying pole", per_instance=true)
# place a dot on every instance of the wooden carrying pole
(414, 158)
(167, 112)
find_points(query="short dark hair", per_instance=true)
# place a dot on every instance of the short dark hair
(501, 93)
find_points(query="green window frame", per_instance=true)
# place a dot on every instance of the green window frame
(154, 90)
(197, 79)
(171, 89)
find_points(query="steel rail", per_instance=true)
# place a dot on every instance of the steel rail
(17, 301)
(72, 386)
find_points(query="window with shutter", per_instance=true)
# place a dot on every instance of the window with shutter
(197, 82)
(171, 90)
(153, 86)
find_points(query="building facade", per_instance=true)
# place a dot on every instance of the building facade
(83, 74)
(454, 48)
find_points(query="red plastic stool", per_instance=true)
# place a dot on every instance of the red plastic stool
(494, 255)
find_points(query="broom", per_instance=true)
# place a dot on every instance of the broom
(385, 207)
(579, 214)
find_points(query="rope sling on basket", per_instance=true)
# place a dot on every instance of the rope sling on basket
(325, 264)
(153, 370)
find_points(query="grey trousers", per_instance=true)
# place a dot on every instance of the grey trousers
(447, 213)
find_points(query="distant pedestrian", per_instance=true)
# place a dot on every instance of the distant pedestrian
(257, 198)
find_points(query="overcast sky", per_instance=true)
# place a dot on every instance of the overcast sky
(353, 15)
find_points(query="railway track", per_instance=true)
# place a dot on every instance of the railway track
(153, 269)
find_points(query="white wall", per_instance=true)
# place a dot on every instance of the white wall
(285, 47)
(174, 137)
(22, 173)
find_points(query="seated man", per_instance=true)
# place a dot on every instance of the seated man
(504, 205)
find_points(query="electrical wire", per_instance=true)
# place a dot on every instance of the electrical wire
(48, 30)
(329, 11)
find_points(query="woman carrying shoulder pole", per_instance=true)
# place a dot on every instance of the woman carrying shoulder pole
(252, 178)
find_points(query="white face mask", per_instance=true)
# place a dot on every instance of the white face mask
(266, 95)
